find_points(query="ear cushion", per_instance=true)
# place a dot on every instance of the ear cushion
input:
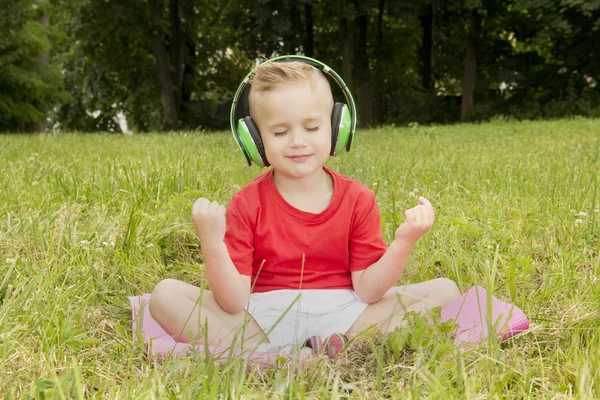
(340, 128)
(255, 147)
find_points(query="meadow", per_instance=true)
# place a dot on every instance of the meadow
(87, 220)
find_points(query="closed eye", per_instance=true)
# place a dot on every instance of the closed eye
(280, 133)
(316, 128)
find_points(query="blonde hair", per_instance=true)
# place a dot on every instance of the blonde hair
(271, 75)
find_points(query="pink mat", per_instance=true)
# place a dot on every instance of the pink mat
(469, 311)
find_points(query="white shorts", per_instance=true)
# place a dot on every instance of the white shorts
(312, 312)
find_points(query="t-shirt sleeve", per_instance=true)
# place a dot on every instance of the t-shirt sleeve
(239, 236)
(366, 239)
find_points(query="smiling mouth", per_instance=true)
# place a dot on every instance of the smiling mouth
(299, 156)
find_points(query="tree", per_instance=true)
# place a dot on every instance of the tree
(30, 85)
(470, 63)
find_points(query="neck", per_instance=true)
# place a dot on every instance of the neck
(317, 182)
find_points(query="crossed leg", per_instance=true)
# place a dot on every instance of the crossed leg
(184, 310)
(388, 313)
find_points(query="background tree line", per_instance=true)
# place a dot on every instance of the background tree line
(175, 64)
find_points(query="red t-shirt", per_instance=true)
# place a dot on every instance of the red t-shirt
(267, 237)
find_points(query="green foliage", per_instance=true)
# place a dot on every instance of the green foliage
(537, 58)
(30, 87)
(432, 341)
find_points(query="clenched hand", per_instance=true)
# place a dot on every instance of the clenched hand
(209, 221)
(419, 220)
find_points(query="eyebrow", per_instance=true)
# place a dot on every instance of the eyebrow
(282, 124)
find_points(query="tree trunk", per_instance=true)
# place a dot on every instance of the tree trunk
(176, 44)
(362, 74)
(309, 36)
(294, 41)
(379, 107)
(167, 95)
(44, 58)
(348, 45)
(471, 56)
(426, 49)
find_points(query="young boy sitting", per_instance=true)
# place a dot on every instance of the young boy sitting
(298, 255)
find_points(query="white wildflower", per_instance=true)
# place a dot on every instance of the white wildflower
(10, 260)
(578, 221)
(150, 245)
(85, 242)
(582, 214)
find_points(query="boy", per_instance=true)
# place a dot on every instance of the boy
(298, 254)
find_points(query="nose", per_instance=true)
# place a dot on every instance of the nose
(297, 138)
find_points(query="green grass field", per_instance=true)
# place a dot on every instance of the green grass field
(86, 220)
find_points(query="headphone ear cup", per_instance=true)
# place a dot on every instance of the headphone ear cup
(252, 142)
(340, 128)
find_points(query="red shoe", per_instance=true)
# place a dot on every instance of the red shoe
(334, 344)
(315, 343)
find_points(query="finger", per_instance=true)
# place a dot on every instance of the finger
(428, 210)
(221, 210)
(214, 206)
(421, 216)
(201, 203)
(424, 201)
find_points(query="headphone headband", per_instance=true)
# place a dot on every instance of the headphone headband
(315, 63)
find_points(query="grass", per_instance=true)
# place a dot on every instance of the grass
(86, 220)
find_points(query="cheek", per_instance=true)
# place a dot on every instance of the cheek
(326, 139)
(272, 145)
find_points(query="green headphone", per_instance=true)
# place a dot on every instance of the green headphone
(247, 135)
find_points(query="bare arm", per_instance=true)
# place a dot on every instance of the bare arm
(372, 283)
(228, 286)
